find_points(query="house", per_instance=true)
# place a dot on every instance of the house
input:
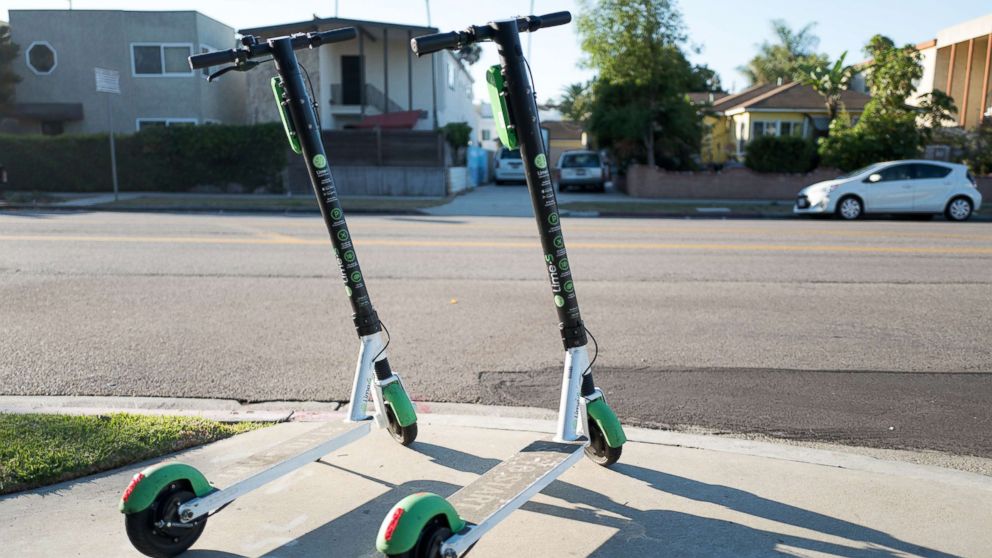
(562, 136)
(60, 49)
(372, 81)
(958, 62)
(788, 109)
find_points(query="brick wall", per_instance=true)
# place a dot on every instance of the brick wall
(732, 184)
(735, 184)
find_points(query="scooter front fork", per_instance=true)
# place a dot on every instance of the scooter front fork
(572, 416)
(372, 375)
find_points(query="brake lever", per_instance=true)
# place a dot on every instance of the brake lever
(239, 67)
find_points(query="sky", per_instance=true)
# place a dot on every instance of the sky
(726, 33)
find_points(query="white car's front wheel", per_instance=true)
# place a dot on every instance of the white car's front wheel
(959, 209)
(850, 208)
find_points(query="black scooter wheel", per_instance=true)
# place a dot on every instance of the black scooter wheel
(150, 537)
(402, 434)
(598, 450)
(430, 540)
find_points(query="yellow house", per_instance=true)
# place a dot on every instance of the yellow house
(790, 109)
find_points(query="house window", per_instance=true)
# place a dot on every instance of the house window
(203, 50)
(41, 57)
(790, 129)
(145, 123)
(759, 129)
(52, 127)
(485, 135)
(169, 59)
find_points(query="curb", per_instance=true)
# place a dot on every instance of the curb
(468, 415)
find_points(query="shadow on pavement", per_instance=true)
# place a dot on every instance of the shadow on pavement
(653, 532)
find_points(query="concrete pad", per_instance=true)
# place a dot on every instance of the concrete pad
(659, 500)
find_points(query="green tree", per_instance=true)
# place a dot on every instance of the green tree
(782, 58)
(829, 80)
(576, 102)
(892, 73)
(8, 79)
(935, 108)
(888, 127)
(978, 151)
(639, 104)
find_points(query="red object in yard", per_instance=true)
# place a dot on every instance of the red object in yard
(398, 120)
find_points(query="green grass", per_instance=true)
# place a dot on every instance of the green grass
(29, 198)
(295, 203)
(681, 208)
(37, 450)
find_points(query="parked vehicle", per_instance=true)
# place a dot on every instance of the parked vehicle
(912, 186)
(582, 169)
(508, 167)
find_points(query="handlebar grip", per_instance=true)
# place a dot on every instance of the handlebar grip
(550, 20)
(433, 43)
(198, 61)
(333, 36)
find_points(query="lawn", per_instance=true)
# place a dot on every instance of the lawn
(37, 449)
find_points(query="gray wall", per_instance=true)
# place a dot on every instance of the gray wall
(84, 39)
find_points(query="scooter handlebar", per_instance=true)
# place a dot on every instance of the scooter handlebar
(205, 60)
(438, 41)
(254, 49)
(458, 39)
(548, 20)
(333, 36)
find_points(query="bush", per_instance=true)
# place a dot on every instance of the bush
(781, 154)
(878, 136)
(167, 159)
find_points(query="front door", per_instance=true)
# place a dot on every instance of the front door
(893, 191)
(351, 80)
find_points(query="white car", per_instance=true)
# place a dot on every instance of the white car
(914, 186)
(508, 166)
(582, 169)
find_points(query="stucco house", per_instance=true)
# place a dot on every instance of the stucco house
(959, 62)
(60, 49)
(374, 80)
(787, 109)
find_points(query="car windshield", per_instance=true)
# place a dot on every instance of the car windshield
(510, 154)
(580, 160)
(852, 174)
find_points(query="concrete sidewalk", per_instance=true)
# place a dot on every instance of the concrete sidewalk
(671, 495)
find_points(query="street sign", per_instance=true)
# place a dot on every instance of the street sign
(108, 81)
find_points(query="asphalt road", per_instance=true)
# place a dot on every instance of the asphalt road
(875, 333)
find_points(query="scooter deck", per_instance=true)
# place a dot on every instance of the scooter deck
(510, 484)
(266, 466)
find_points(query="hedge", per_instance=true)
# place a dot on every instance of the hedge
(781, 154)
(161, 159)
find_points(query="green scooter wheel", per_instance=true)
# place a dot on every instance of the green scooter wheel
(147, 530)
(598, 450)
(402, 434)
(430, 540)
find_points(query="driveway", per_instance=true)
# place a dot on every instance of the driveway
(513, 200)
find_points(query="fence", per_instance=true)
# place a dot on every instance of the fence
(379, 162)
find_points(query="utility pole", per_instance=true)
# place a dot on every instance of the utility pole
(530, 35)
(335, 9)
(428, 2)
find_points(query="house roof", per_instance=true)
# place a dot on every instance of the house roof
(786, 97)
(563, 129)
(332, 23)
(700, 97)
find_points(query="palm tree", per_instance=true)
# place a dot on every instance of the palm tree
(827, 80)
(779, 60)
